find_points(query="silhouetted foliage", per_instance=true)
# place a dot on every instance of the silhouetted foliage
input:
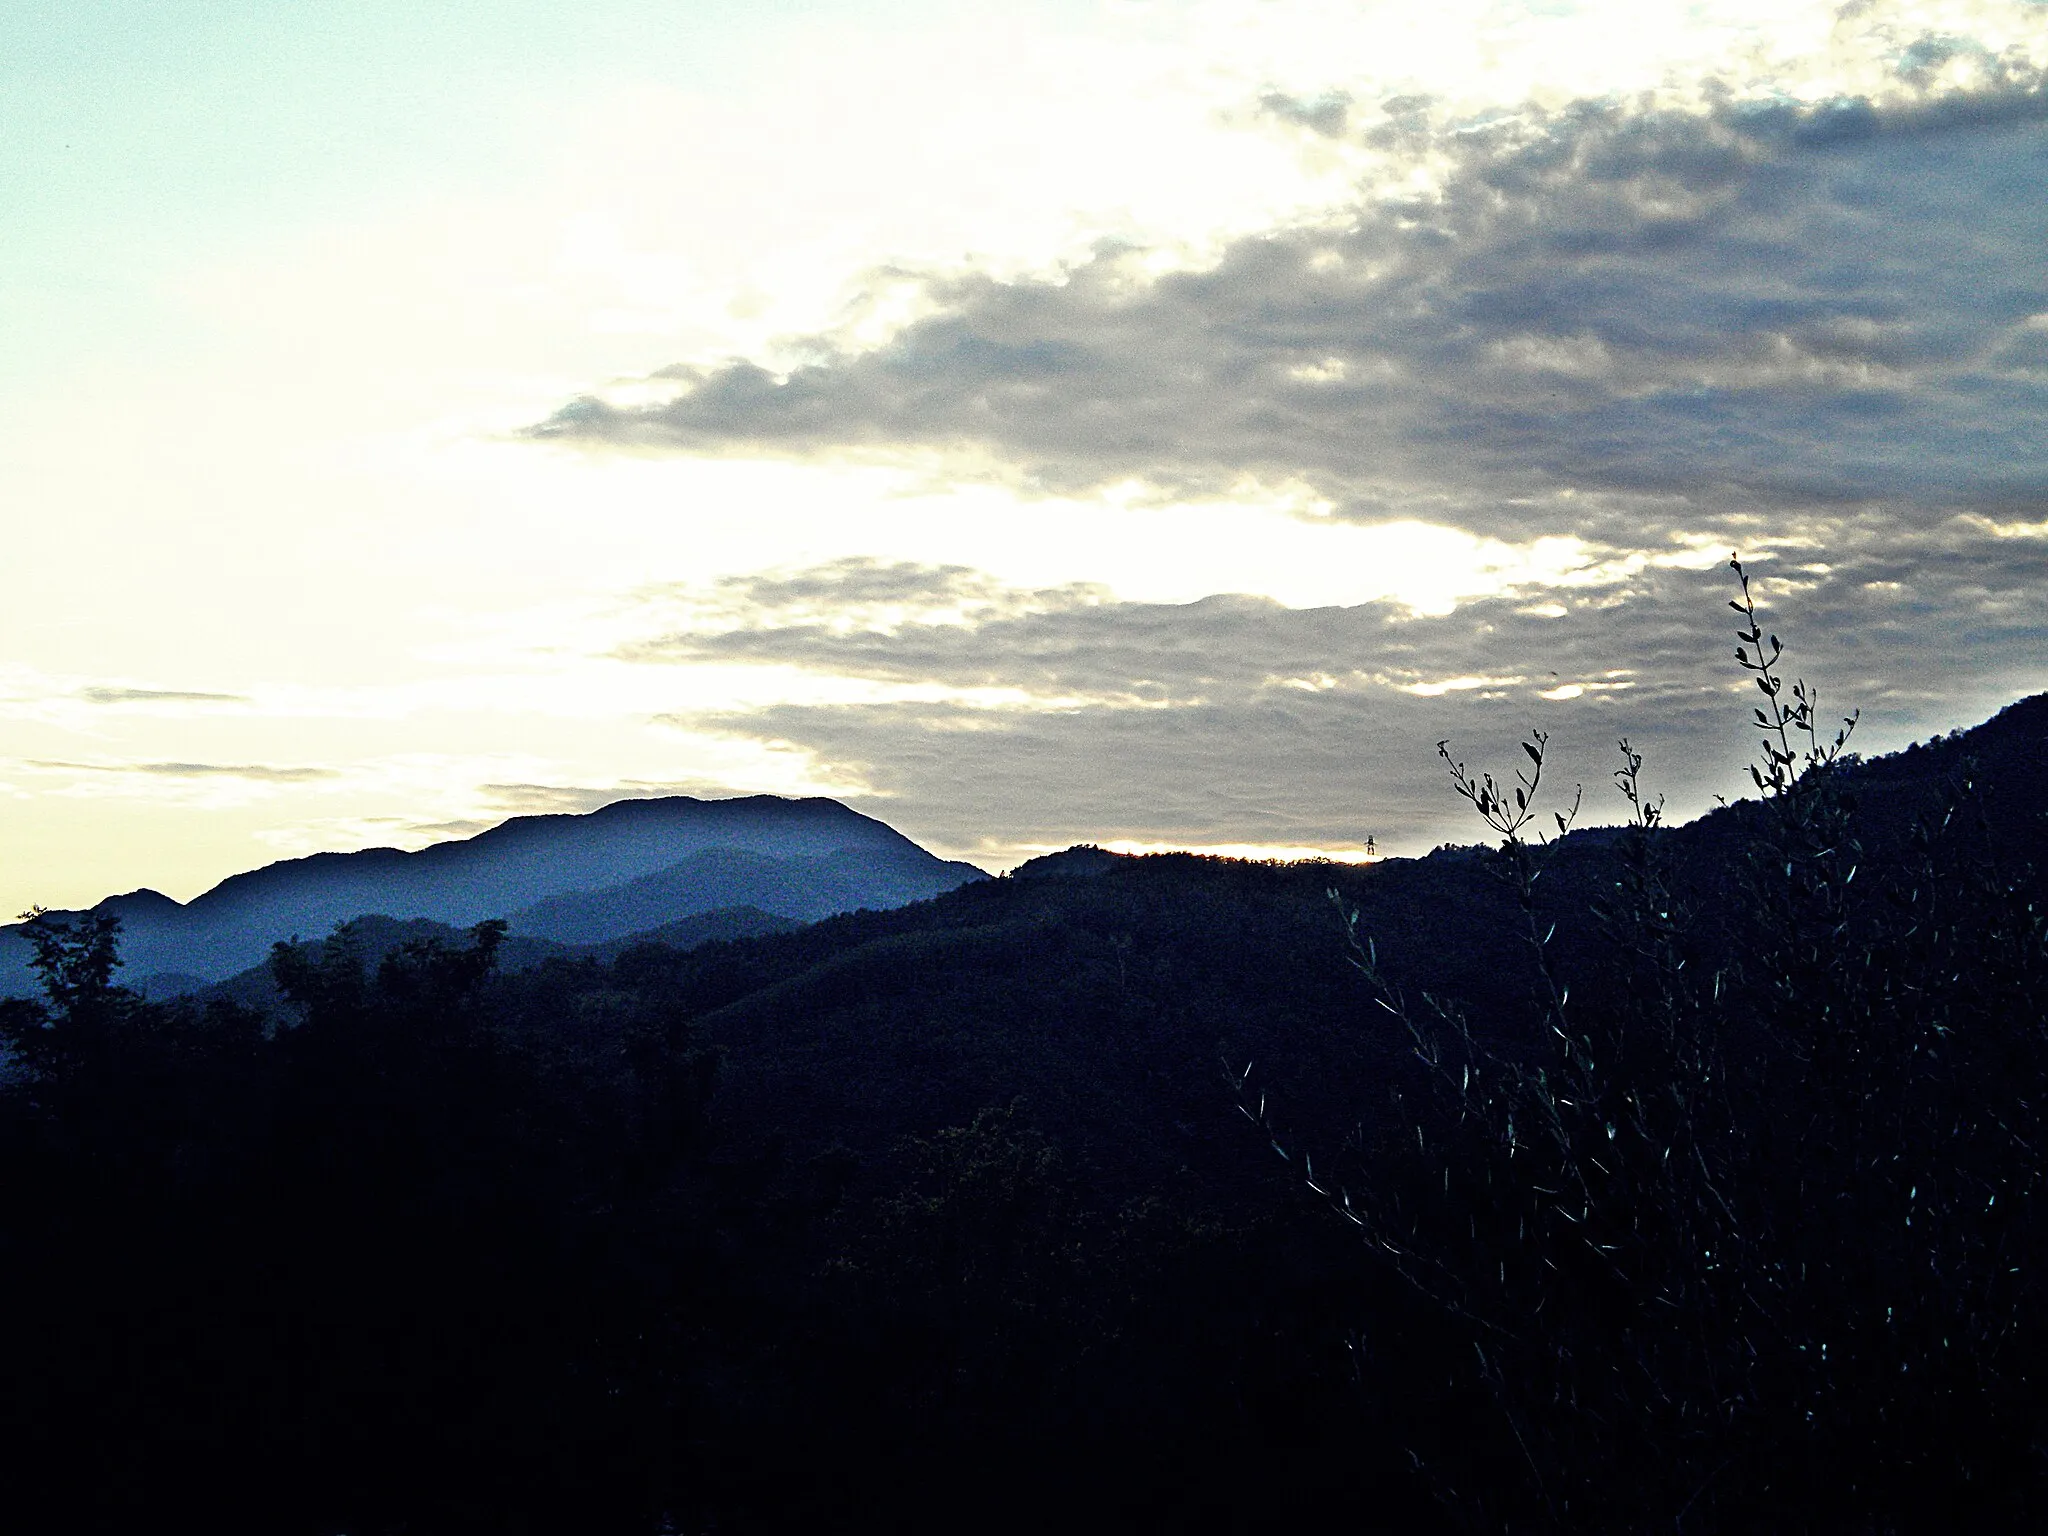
(1745, 1238)
(1697, 1171)
(358, 1271)
(431, 1248)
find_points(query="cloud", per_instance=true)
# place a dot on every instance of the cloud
(1723, 317)
(854, 595)
(1237, 719)
(115, 696)
(1327, 115)
(254, 773)
(1613, 320)
(28, 693)
(1873, 595)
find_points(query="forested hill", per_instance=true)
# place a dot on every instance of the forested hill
(1119, 1193)
(1109, 1003)
(1994, 774)
(1111, 991)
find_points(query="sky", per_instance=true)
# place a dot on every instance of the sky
(1153, 424)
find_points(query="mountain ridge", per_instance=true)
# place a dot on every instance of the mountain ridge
(510, 868)
(624, 869)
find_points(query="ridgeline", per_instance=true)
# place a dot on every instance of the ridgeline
(1656, 1178)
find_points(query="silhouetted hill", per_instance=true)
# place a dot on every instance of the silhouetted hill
(799, 888)
(2005, 759)
(720, 926)
(1108, 1002)
(1081, 859)
(524, 862)
(963, 1196)
(1108, 990)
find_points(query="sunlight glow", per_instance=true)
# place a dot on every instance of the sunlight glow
(1275, 852)
(282, 517)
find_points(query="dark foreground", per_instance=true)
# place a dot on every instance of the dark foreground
(1673, 1180)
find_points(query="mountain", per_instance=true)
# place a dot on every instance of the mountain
(802, 888)
(636, 865)
(577, 878)
(721, 925)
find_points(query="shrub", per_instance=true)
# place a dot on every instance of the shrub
(1748, 1239)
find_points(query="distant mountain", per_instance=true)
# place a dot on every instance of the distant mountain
(719, 926)
(632, 865)
(802, 888)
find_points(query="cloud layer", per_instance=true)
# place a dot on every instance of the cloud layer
(1608, 339)
(1814, 330)
(252, 773)
(1615, 321)
(1050, 716)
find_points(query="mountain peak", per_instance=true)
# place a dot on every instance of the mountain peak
(527, 861)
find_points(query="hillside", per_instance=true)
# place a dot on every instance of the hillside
(1116, 1186)
(376, 937)
(1109, 991)
(574, 878)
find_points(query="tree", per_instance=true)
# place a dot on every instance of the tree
(75, 964)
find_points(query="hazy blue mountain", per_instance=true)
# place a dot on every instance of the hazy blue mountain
(805, 889)
(763, 845)
(720, 925)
